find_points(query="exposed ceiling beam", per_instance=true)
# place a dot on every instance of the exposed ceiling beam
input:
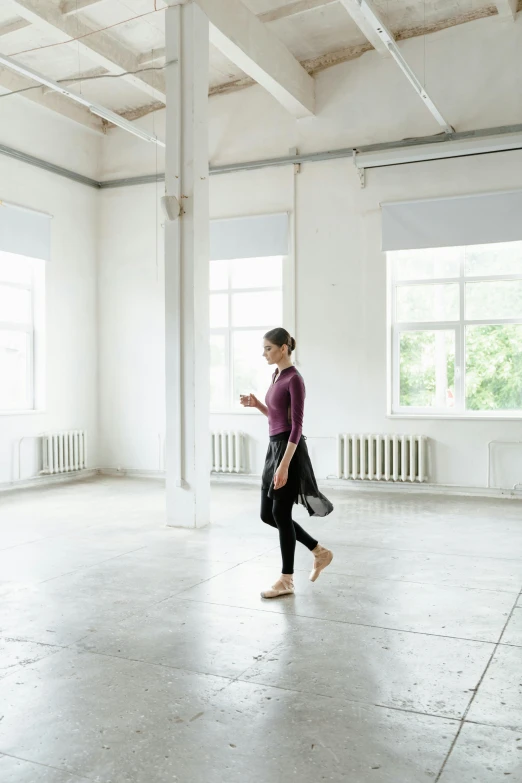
(328, 60)
(252, 46)
(312, 66)
(297, 7)
(78, 77)
(324, 61)
(10, 82)
(13, 25)
(428, 28)
(507, 8)
(151, 57)
(141, 111)
(387, 40)
(97, 46)
(75, 6)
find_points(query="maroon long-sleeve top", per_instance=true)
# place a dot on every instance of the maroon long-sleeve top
(285, 402)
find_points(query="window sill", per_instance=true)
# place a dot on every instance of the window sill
(34, 412)
(456, 416)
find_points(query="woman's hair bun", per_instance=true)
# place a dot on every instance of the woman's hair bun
(280, 337)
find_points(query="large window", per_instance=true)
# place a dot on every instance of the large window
(456, 330)
(21, 294)
(246, 300)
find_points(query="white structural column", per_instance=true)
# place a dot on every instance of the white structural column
(187, 268)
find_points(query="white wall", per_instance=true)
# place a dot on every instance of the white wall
(341, 273)
(131, 311)
(71, 310)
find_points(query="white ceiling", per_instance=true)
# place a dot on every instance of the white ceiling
(308, 35)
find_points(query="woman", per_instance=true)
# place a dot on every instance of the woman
(288, 476)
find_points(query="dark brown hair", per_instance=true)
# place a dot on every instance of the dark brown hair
(280, 337)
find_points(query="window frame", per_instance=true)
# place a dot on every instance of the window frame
(287, 294)
(396, 328)
(35, 377)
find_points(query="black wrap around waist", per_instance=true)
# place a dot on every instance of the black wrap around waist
(301, 479)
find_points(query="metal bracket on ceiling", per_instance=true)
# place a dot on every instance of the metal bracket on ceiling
(360, 171)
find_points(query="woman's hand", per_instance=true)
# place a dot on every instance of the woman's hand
(249, 401)
(280, 476)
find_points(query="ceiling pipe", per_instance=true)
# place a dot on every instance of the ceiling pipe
(485, 141)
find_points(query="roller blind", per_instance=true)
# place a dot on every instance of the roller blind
(249, 237)
(477, 219)
(25, 232)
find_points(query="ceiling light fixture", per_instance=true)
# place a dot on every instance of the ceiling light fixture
(94, 108)
(110, 116)
(391, 44)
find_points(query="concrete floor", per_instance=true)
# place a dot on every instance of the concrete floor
(130, 652)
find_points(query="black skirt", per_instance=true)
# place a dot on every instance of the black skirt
(301, 479)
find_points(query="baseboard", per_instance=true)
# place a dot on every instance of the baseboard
(44, 481)
(425, 488)
(383, 486)
(252, 479)
(133, 473)
(217, 478)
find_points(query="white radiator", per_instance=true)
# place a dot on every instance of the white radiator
(64, 452)
(228, 452)
(382, 457)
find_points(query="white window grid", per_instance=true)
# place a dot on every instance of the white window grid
(458, 327)
(228, 331)
(28, 329)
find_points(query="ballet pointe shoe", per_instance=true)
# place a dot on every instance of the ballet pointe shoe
(322, 558)
(283, 586)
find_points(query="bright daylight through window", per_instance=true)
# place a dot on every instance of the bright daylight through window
(246, 300)
(21, 282)
(456, 320)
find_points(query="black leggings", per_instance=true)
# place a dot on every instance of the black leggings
(278, 513)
